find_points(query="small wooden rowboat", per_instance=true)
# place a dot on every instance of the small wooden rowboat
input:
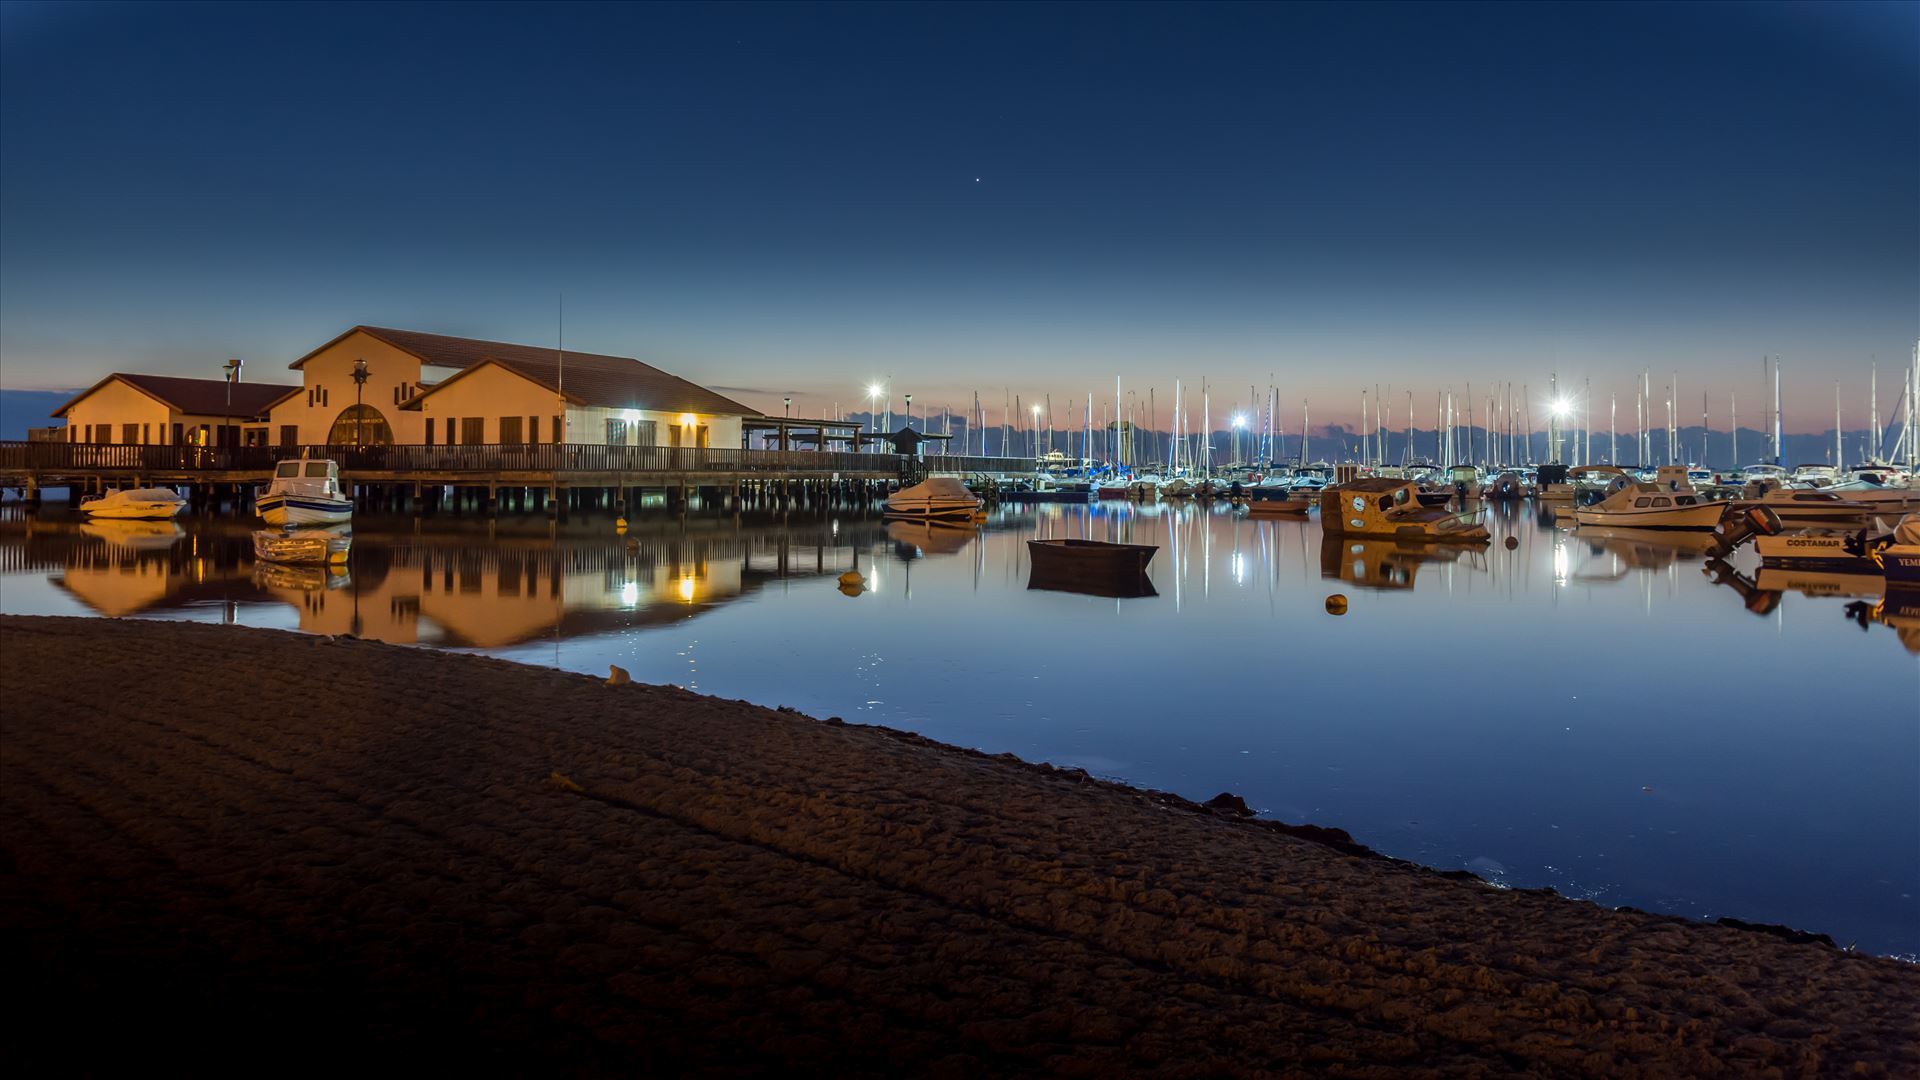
(1091, 566)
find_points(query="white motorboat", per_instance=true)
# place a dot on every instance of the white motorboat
(1809, 506)
(134, 504)
(1817, 476)
(1508, 485)
(305, 492)
(934, 497)
(1882, 489)
(308, 547)
(1631, 503)
(1177, 488)
(1145, 488)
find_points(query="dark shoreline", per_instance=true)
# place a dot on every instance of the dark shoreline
(423, 864)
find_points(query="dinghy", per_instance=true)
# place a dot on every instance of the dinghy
(937, 497)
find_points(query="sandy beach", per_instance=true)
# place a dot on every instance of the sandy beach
(233, 849)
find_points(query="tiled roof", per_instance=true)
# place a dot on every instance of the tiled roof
(615, 382)
(201, 397)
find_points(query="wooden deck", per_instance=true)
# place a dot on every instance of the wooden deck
(34, 465)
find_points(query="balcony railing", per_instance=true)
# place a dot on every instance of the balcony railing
(480, 460)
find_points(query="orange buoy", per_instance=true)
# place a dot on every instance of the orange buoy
(1337, 604)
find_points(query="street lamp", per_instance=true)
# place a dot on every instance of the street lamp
(909, 412)
(359, 384)
(873, 399)
(232, 368)
(789, 404)
(1033, 438)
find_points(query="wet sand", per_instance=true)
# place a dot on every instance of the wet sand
(237, 849)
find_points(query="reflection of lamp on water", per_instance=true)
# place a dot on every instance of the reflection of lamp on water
(686, 589)
(630, 593)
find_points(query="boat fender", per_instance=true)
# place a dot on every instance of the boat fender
(851, 590)
(1337, 604)
(1512, 542)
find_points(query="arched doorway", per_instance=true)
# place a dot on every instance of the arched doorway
(360, 425)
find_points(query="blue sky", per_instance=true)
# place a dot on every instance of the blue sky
(948, 198)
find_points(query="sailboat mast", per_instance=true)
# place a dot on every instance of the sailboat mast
(1779, 452)
(1733, 421)
(1613, 441)
(1873, 411)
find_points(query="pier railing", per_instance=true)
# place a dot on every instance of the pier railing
(18, 457)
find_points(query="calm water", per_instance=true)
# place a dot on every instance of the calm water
(1598, 715)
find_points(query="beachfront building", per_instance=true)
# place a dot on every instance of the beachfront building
(168, 410)
(416, 387)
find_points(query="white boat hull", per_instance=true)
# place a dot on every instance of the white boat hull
(133, 511)
(277, 509)
(1698, 516)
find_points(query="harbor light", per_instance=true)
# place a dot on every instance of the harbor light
(1562, 408)
(686, 419)
(1239, 421)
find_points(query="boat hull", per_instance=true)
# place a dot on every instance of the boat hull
(1701, 516)
(1091, 567)
(133, 511)
(1901, 565)
(1810, 549)
(931, 509)
(277, 509)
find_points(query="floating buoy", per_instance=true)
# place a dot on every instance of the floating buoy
(620, 525)
(1512, 542)
(851, 590)
(617, 675)
(1337, 604)
(852, 578)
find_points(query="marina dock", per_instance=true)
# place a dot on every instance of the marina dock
(527, 476)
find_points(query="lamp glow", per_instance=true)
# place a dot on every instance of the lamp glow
(686, 419)
(1239, 421)
(874, 391)
(1562, 408)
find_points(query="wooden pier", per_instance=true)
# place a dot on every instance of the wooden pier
(530, 476)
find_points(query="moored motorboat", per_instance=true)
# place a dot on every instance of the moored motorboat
(1809, 506)
(934, 497)
(305, 492)
(1382, 506)
(306, 547)
(1636, 504)
(135, 504)
(1900, 560)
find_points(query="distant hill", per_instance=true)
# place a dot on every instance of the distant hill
(23, 409)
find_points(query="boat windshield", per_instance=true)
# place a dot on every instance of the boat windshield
(287, 468)
(315, 468)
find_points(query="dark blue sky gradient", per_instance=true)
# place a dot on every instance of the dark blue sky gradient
(784, 198)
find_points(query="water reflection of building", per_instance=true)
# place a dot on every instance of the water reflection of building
(515, 582)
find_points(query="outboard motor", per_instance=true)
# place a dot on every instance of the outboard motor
(1737, 528)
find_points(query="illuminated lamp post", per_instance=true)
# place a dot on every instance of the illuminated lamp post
(359, 385)
(909, 411)
(873, 402)
(232, 369)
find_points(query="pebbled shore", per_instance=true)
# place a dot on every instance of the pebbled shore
(241, 849)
